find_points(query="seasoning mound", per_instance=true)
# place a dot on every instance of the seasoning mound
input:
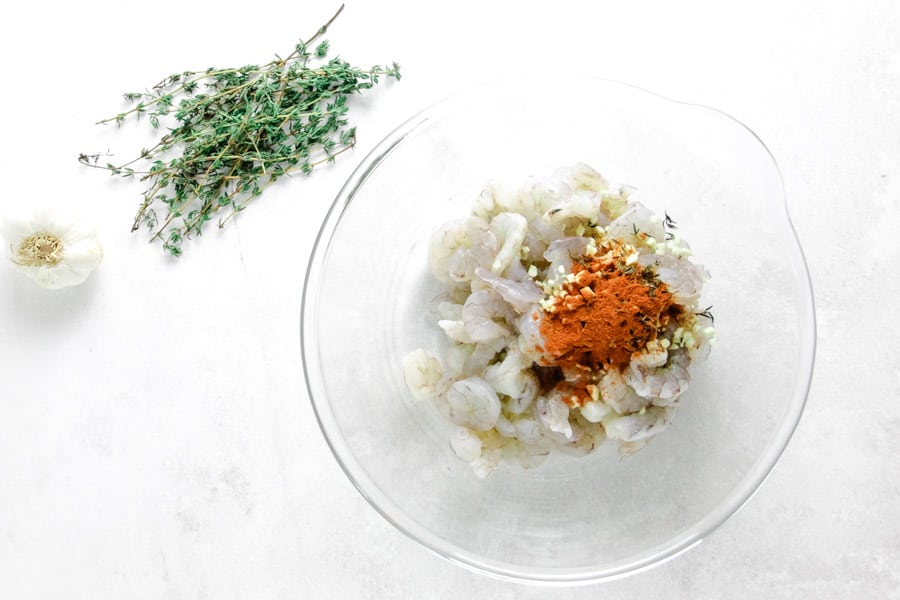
(605, 314)
(572, 314)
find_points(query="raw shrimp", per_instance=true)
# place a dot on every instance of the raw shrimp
(553, 413)
(586, 438)
(458, 247)
(450, 311)
(481, 319)
(465, 444)
(424, 374)
(521, 295)
(497, 197)
(639, 426)
(484, 354)
(464, 359)
(541, 233)
(529, 431)
(473, 403)
(582, 205)
(662, 383)
(513, 377)
(684, 279)
(483, 316)
(595, 410)
(530, 341)
(635, 220)
(618, 395)
(582, 177)
(509, 229)
(561, 254)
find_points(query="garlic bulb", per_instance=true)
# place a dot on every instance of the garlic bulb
(52, 248)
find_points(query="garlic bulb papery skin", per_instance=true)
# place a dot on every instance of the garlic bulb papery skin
(51, 247)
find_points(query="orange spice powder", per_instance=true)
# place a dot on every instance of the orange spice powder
(605, 315)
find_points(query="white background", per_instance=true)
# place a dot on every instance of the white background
(156, 440)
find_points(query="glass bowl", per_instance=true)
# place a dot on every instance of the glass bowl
(571, 520)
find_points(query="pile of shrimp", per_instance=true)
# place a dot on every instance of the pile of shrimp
(499, 266)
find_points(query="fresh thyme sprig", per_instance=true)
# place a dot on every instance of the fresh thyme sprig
(669, 223)
(238, 131)
(707, 312)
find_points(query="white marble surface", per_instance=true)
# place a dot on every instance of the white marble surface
(155, 436)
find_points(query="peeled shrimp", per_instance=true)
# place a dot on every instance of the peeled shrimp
(617, 394)
(521, 295)
(424, 374)
(529, 431)
(496, 197)
(637, 218)
(584, 441)
(509, 229)
(473, 403)
(482, 355)
(594, 410)
(513, 377)
(582, 177)
(662, 384)
(480, 319)
(561, 253)
(639, 426)
(683, 279)
(582, 204)
(483, 315)
(465, 444)
(553, 413)
(545, 193)
(654, 356)
(530, 341)
(459, 246)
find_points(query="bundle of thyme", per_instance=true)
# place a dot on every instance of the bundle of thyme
(238, 131)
